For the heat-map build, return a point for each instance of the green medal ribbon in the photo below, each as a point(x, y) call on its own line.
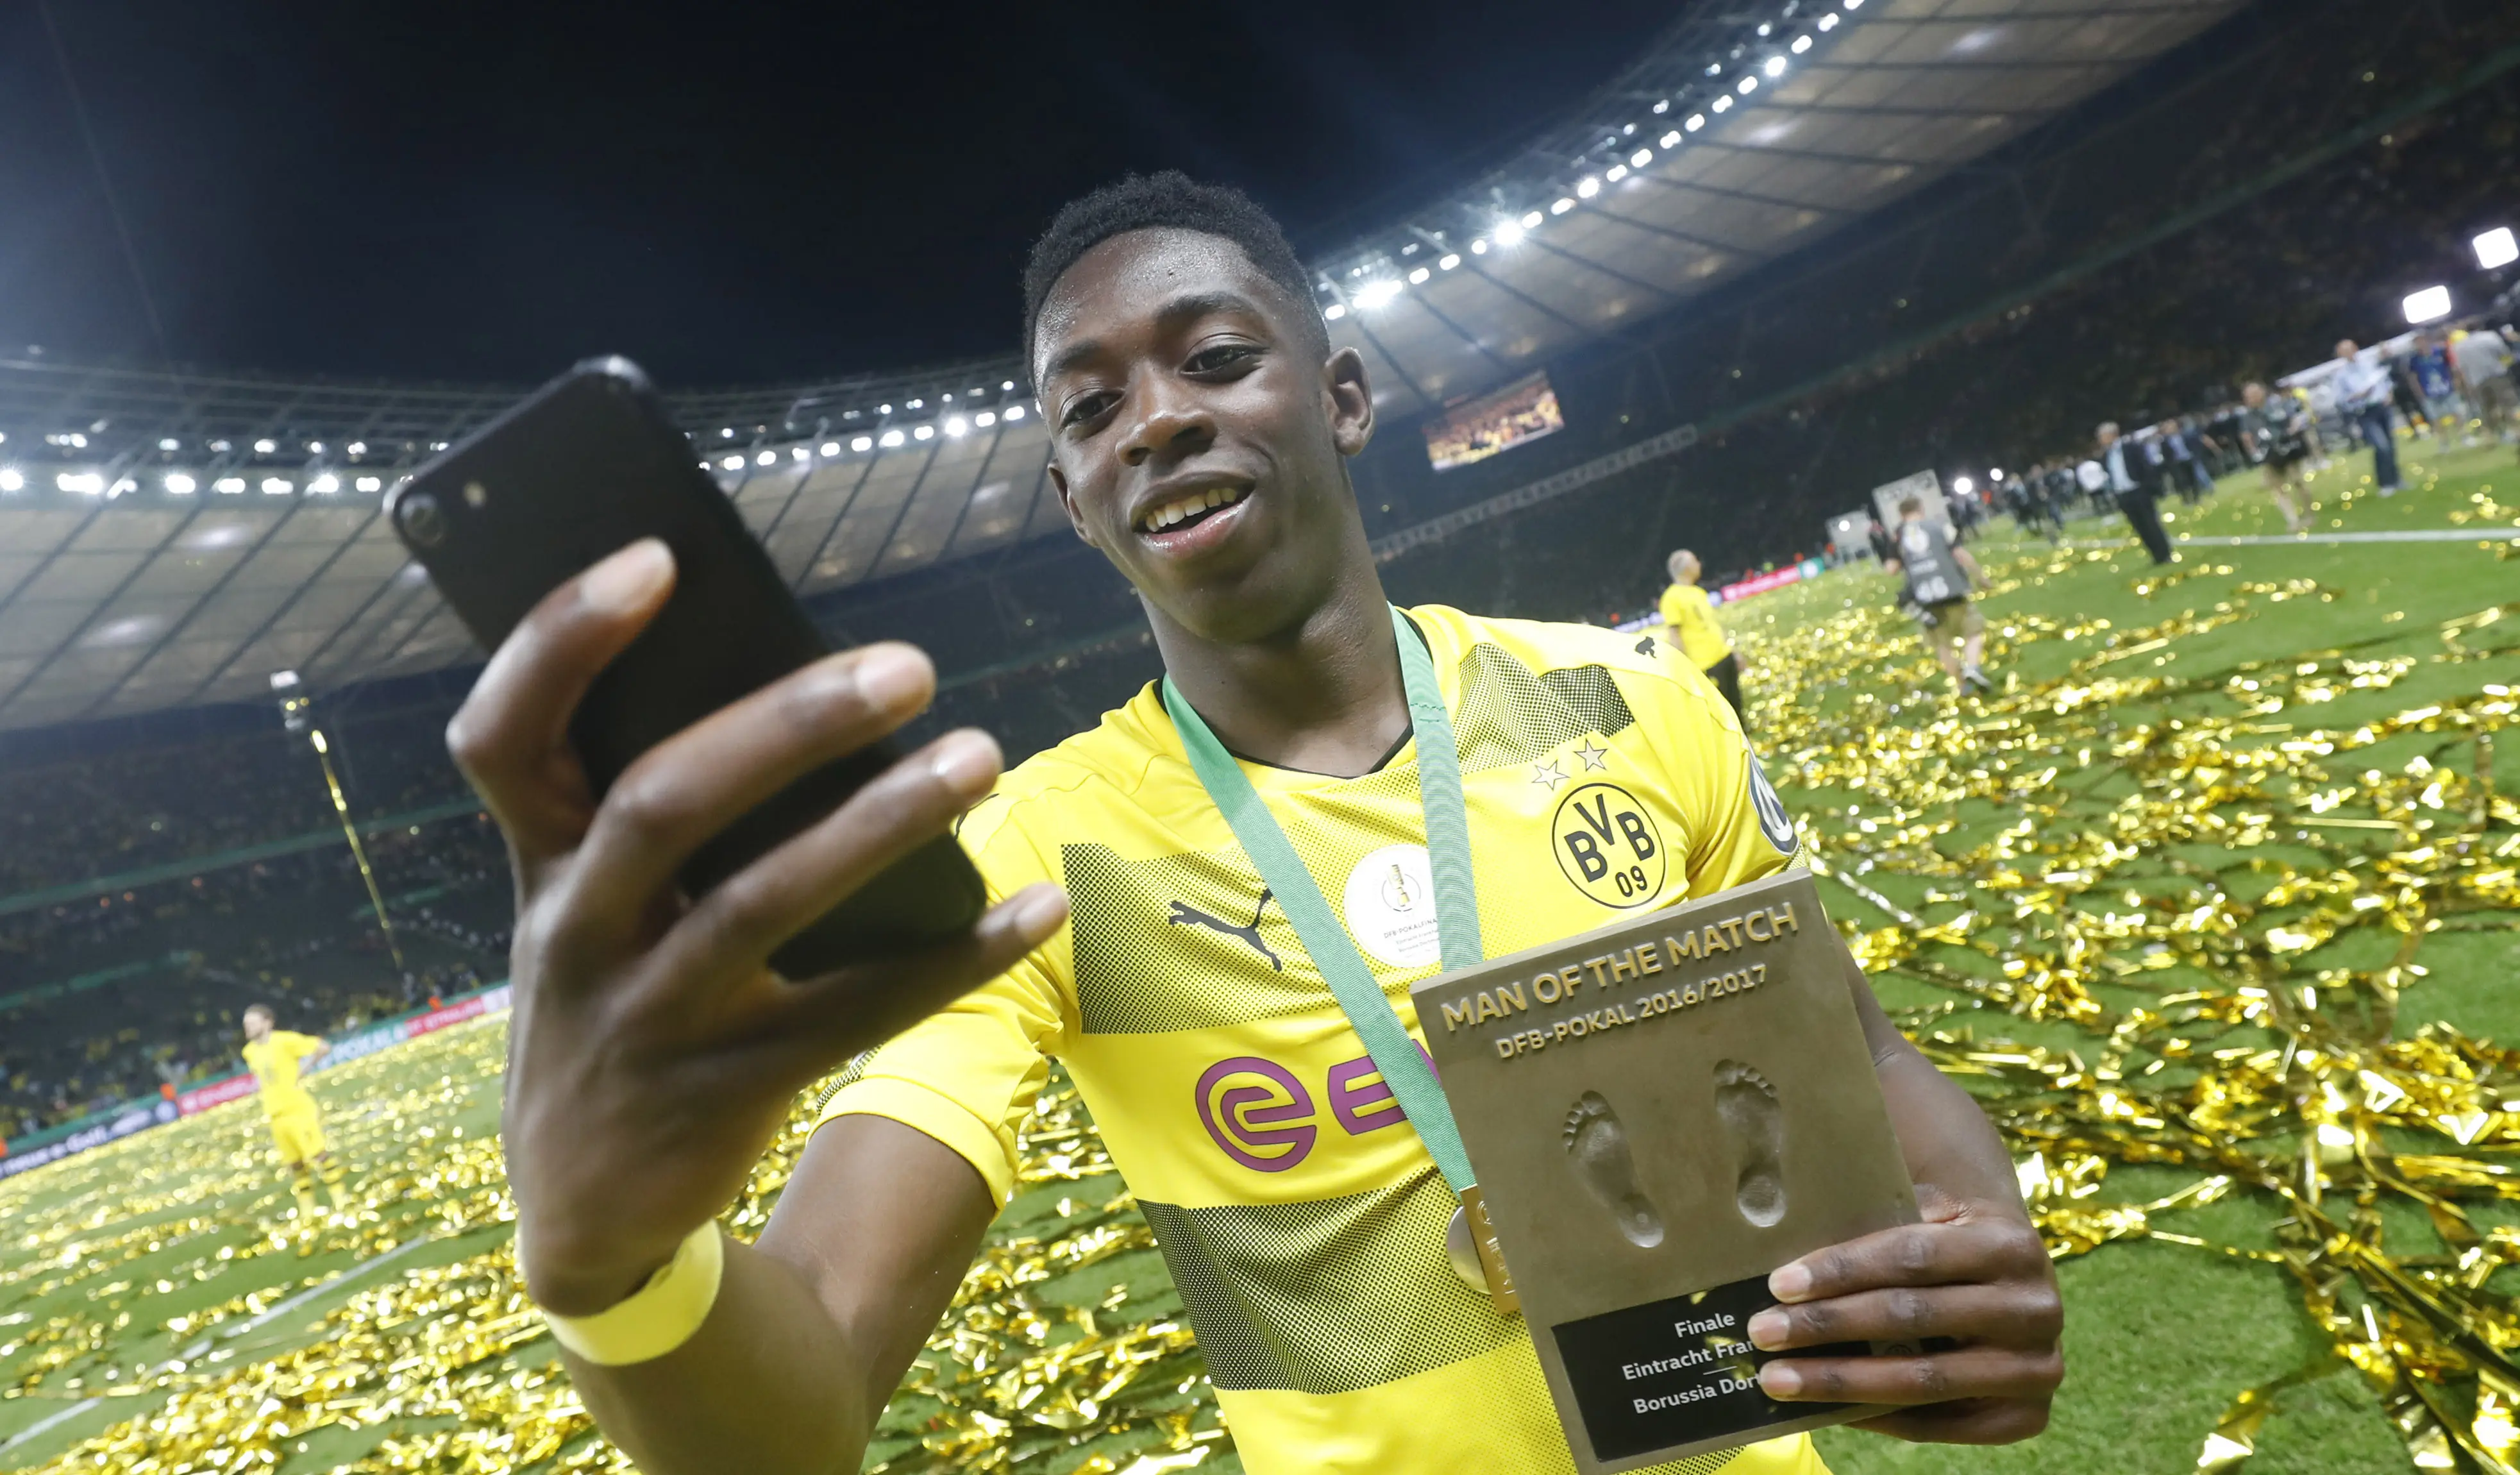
point(1404, 1068)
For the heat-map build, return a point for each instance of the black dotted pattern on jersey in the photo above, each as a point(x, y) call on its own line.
point(1508, 715)
point(1133, 956)
point(1328, 1296)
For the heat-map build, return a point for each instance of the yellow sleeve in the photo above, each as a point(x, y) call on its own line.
point(1739, 829)
point(299, 1046)
point(967, 1074)
point(1675, 609)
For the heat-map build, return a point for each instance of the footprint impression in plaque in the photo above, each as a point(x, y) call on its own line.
point(1596, 1146)
point(1755, 1130)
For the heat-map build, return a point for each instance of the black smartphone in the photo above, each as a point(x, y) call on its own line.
point(587, 465)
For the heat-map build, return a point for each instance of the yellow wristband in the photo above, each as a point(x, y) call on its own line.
point(659, 1315)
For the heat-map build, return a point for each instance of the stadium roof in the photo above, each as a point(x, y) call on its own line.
point(167, 538)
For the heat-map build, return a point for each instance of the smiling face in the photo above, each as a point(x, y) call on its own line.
point(1200, 426)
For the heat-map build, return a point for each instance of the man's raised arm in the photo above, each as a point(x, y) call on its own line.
point(652, 1054)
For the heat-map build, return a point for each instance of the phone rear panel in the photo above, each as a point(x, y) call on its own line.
point(590, 465)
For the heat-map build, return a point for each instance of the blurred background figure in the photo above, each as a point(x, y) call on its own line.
point(2364, 389)
point(1689, 615)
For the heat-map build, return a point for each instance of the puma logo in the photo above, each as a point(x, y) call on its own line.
point(1646, 647)
point(1186, 916)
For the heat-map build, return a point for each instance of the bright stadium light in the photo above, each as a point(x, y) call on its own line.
point(85, 483)
point(1642, 158)
point(1480, 247)
point(277, 486)
point(1449, 261)
point(1588, 188)
point(358, 448)
point(1616, 172)
point(1775, 68)
point(326, 485)
point(917, 404)
point(985, 419)
point(371, 484)
point(2496, 247)
point(1418, 277)
point(1671, 139)
point(228, 486)
point(799, 453)
point(1334, 312)
point(1962, 485)
point(1507, 232)
point(12, 479)
point(1749, 85)
point(765, 458)
point(265, 447)
point(923, 433)
point(179, 485)
point(1801, 44)
point(169, 444)
point(891, 438)
point(1829, 23)
point(1530, 222)
point(1662, 107)
point(1008, 385)
point(1995, 473)
point(314, 448)
point(883, 408)
point(1376, 293)
point(1853, 4)
point(955, 424)
point(862, 443)
point(1696, 120)
point(2430, 303)
point(1560, 206)
point(1014, 412)
point(831, 448)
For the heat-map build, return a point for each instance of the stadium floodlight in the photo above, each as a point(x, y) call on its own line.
point(1376, 293)
point(1334, 312)
point(1480, 247)
point(282, 681)
point(733, 463)
point(956, 425)
point(891, 438)
point(831, 448)
point(2496, 247)
point(1670, 140)
point(1852, 4)
point(1560, 206)
point(277, 486)
point(1801, 44)
point(1587, 188)
point(169, 444)
point(265, 447)
point(325, 485)
point(1829, 23)
point(1962, 485)
point(923, 433)
point(85, 483)
point(1995, 473)
point(985, 419)
point(1508, 231)
point(1662, 107)
point(178, 484)
point(1696, 120)
point(12, 479)
point(1418, 277)
point(228, 486)
point(799, 453)
point(1775, 68)
point(1724, 104)
point(883, 408)
point(1749, 85)
point(2430, 303)
point(314, 448)
point(1008, 385)
point(1642, 158)
point(725, 432)
point(1014, 412)
point(1449, 261)
point(862, 443)
point(371, 484)
point(917, 404)
point(1530, 222)
point(358, 448)
point(765, 458)
point(1616, 172)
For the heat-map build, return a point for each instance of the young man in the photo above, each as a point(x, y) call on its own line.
point(2363, 392)
point(1940, 577)
point(1689, 617)
point(2272, 425)
point(2134, 478)
point(276, 1058)
point(1200, 427)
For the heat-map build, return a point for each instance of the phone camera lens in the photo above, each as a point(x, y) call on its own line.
point(423, 520)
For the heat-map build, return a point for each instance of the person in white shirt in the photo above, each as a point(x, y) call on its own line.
point(2482, 363)
point(2362, 388)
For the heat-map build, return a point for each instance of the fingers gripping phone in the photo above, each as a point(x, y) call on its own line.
point(588, 465)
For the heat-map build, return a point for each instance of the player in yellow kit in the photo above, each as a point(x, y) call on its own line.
point(1689, 617)
point(1201, 423)
point(276, 1058)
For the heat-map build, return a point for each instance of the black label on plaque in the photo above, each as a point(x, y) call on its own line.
point(1678, 1372)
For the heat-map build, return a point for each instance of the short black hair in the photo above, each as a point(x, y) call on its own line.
point(1165, 199)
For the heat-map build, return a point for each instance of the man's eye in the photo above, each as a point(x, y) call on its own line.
point(1085, 408)
point(1222, 356)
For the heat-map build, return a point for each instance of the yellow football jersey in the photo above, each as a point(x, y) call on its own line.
point(1301, 1216)
point(273, 1060)
point(1691, 614)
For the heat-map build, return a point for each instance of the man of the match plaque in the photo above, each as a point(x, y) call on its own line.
point(1661, 1113)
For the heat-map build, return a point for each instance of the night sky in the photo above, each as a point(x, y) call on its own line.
point(730, 193)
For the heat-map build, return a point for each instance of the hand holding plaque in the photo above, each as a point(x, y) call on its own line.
point(1661, 1112)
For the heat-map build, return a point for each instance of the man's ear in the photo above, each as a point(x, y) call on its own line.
point(1067, 504)
point(1350, 400)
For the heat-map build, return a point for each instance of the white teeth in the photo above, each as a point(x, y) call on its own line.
point(1172, 512)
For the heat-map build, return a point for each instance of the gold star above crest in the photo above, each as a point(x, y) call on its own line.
point(1595, 758)
point(1546, 776)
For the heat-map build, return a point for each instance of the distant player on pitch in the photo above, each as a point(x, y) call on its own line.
point(277, 1056)
point(1689, 615)
point(1940, 578)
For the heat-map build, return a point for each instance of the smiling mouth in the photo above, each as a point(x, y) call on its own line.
point(1189, 509)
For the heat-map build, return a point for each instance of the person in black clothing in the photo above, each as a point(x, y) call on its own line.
point(2136, 478)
